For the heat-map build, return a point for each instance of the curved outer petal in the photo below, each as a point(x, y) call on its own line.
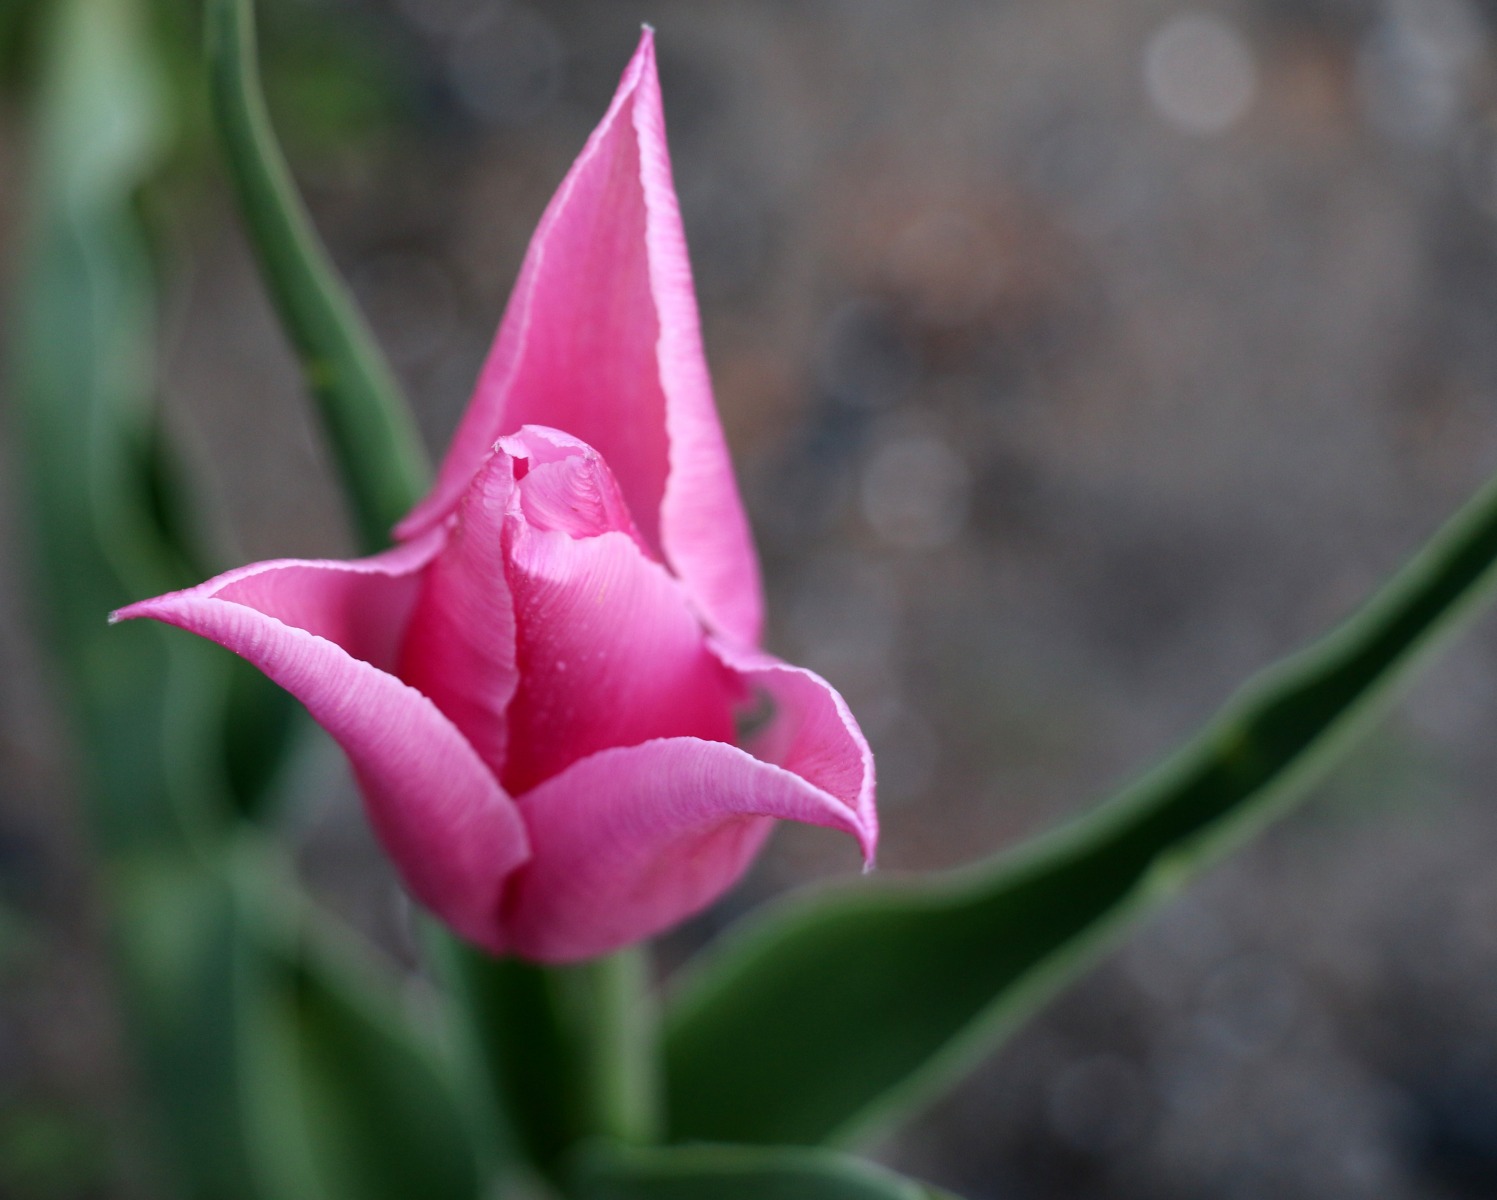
point(323, 631)
point(812, 732)
point(601, 339)
point(610, 654)
point(630, 841)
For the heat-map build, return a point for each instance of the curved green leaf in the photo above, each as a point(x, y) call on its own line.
point(740, 1173)
point(833, 1013)
point(374, 440)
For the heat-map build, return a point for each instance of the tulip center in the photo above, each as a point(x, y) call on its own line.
point(563, 485)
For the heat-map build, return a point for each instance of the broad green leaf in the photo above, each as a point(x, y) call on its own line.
point(374, 441)
point(17, 21)
point(835, 1013)
point(707, 1172)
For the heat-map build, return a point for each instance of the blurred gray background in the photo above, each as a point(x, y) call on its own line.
point(1078, 360)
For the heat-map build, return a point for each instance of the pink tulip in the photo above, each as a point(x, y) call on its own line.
point(537, 687)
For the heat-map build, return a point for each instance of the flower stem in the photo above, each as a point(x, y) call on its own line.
point(372, 435)
point(554, 1056)
point(610, 1012)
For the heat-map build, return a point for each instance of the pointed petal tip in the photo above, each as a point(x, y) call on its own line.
point(867, 816)
point(491, 412)
point(642, 64)
point(866, 833)
point(140, 608)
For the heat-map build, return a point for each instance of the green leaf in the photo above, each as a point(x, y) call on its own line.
point(82, 383)
point(828, 1016)
point(708, 1172)
point(364, 1107)
point(107, 503)
point(146, 708)
point(280, 1061)
point(374, 440)
point(177, 943)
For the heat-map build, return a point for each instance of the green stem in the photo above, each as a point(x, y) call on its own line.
point(609, 1009)
point(374, 441)
point(554, 1055)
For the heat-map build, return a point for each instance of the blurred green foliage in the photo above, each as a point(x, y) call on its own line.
point(49, 1152)
point(708, 1172)
point(223, 966)
point(334, 77)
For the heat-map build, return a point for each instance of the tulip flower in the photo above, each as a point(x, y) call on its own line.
point(538, 687)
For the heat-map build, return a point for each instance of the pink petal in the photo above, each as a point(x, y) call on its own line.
point(610, 653)
point(812, 733)
point(323, 630)
point(601, 339)
point(460, 648)
point(630, 841)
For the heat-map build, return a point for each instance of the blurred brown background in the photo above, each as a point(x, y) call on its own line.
point(1078, 360)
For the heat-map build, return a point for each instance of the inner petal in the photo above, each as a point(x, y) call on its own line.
point(609, 650)
point(459, 648)
point(565, 485)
